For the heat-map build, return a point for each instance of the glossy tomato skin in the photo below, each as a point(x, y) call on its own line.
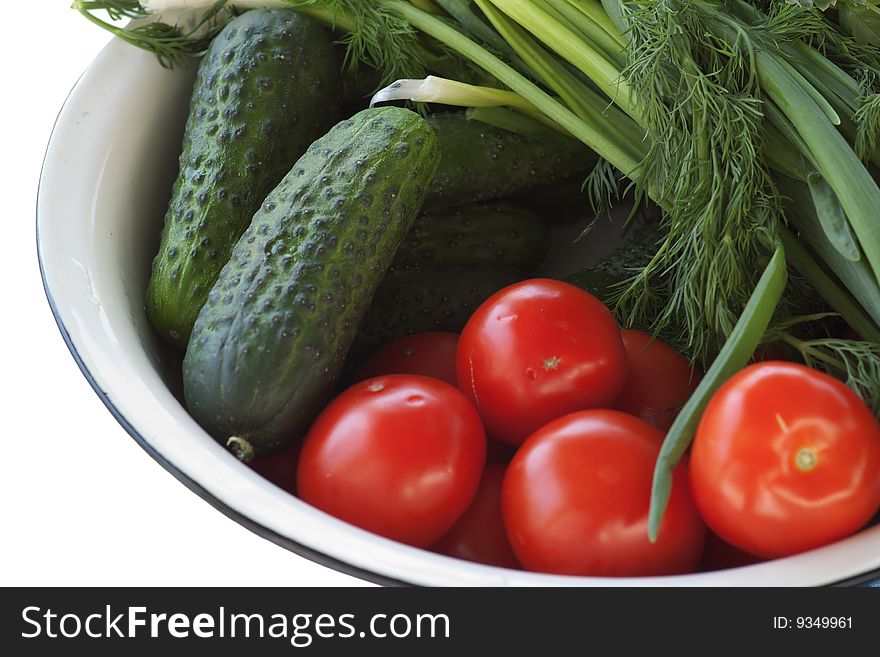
point(785, 459)
point(538, 350)
point(479, 534)
point(575, 501)
point(427, 354)
point(659, 382)
point(398, 455)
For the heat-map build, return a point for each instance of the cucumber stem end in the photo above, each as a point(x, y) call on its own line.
point(241, 448)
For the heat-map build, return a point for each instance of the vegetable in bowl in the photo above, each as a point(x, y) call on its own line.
point(237, 147)
point(756, 146)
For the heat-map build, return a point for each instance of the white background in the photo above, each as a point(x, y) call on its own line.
point(82, 503)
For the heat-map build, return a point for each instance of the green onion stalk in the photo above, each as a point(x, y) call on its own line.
point(753, 124)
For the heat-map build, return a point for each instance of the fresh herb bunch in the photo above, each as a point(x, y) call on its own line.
point(171, 42)
point(855, 361)
point(701, 103)
point(372, 35)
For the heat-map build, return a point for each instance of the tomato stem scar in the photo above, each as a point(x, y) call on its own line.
point(805, 459)
point(552, 363)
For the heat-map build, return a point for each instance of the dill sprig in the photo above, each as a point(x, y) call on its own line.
point(867, 117)
point(823, 4)
point(861, 61)
point(372, 35)
point(116, 9)
point(856, 58)
point(701, 103)
point(602, 188)
point(856, 363)
point(170, 43)
point(785, 23)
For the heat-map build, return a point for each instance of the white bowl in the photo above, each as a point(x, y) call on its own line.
point(104, 188)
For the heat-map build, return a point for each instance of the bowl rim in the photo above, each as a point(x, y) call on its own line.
point(315, 555)
point(258, 529)
point(248, 523)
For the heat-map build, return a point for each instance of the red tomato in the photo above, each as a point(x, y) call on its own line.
point(660, 380)
point(280, 469)
point(785, 459)
point(479, 534)
point(575, 501)
point(538, 350)
point(427, 354)
point(398, 455)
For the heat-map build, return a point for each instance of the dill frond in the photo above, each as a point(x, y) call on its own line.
point(856, 363)
point(116, 9)
point(170, 43)
point(371, 33)
point(852, 56)
point(867, 117)
point(788, 22)
point(602, 188)
point(374, 36)
point(702, 105)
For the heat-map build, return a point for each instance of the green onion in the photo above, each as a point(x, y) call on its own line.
point(837, 297)
point(578, 96)
point(832, 218)
point(450, 92)
point(737, 351)
point(839, 165)
point(512, 121)
point(594, 136)
point(582, 52)
point(857, 277)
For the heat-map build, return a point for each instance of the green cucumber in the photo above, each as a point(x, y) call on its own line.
point(270, 342)
point(634, 253)
point(267, 88)
point(496, 233)
point(482, 162)
point(426, 297)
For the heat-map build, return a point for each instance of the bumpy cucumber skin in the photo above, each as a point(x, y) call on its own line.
point(496, 233)
point(270, 342)
point(267, 88)
point(416, 298)
point(481, 162)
